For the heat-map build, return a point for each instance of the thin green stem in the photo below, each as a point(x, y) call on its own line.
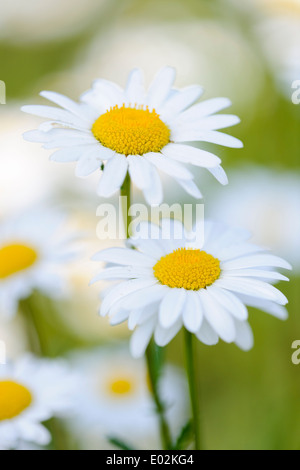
point(194, 394)
point(126, 192)
point(151, 354)
point(154, 382)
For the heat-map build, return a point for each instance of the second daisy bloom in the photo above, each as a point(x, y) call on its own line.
point(135, 130)
point(169, 283)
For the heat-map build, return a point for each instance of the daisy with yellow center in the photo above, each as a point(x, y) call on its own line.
point(137, 131)
point(115, 399)
point(30, 255)
point(32, 391)
point(172, 283)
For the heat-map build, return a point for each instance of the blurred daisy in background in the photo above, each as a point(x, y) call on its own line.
point(170, 283)
point(115, 400)
point(32, 391)
point(267, 203)
point(203, 48)
point(119, 126)
point(44, 21)
point(32, 248)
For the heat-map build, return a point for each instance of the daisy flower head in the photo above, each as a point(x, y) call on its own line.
point(165, 284)
point(32, 248)
point(115, 399)
point(32, 391)
point(137, 131)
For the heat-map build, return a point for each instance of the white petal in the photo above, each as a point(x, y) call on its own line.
point(219, 174)
point(141, 337)
point(263, 260)
point(192, 312)
point(140, 171)
point(230, 302)
point(272, 308)
point(144, 297)
point(66, 103)
point(56, 114)
point(68, 154)
point(103, 95)
point(135, 89)
point(214, 137)
point(218, 121)
point(120, 291)
point(160, 87)
point(154, 193)
point(169, 166)
point(87, 165)
point(113, 176)
point(217, 317)
point(253, 288)
point(191, 188)
point(205, 108)
point(124, 256)
point(207, 335)
point(180, 101)
point(119, 317)
point(244, 335)
point(171, 307)
point(259, 273)
point(118, 273)
point(163, 336)
point(193, 155)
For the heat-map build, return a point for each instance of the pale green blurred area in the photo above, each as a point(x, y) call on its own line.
point(249, 400)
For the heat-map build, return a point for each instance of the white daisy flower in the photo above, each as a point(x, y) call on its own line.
point(31, 250)
point(112, 128)
point(115, 400)
point(167, 284)
point(32, 391)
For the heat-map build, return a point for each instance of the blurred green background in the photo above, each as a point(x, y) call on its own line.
point(243, 50)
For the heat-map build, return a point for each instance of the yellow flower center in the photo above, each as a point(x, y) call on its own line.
point(131, 131)
point(15, 258)
point(187, 268)
point(121, 386)
point(14, 398)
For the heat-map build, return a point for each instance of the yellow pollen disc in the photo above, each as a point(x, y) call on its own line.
point(187, 268)
point(121, 386)
point(131, 131)
point(14, 398)
point(15, 258)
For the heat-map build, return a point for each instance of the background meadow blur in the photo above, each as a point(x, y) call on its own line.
point(246, 50)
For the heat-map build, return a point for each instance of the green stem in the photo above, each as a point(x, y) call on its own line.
point(150, 354)
point(194, 394)
point(154, 381)
point(36, 334)
point(126, 192)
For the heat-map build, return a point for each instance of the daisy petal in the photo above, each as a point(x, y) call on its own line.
point(263, 260)
point(141, 338)
point(193, 155)
point(180, 101)
point(124, 256)
point(135, 88)
point(113, 176)
point(205, 108)
point(230, 302)
point(253, 288)
point(169, 166)
point(192, 312)
point(219, 174)
point(160, 87)
point(163, 336)
point(207, 335)
point(272, 308)
point(244, 335)
point(191, 188)
point(171, 307)
point(217, 317)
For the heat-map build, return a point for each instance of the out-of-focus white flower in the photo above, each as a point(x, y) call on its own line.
point(31, 392)
point(170, 282)
point(265, 202)
point(111, 129)
point(13, 339)
point(115, 400)
point(34, 20)
point(32, 247)
point(210, 52)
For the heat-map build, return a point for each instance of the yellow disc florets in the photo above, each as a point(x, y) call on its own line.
point(14, 399)
point(131, 131)
point(187, 268)
point(14, 258)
